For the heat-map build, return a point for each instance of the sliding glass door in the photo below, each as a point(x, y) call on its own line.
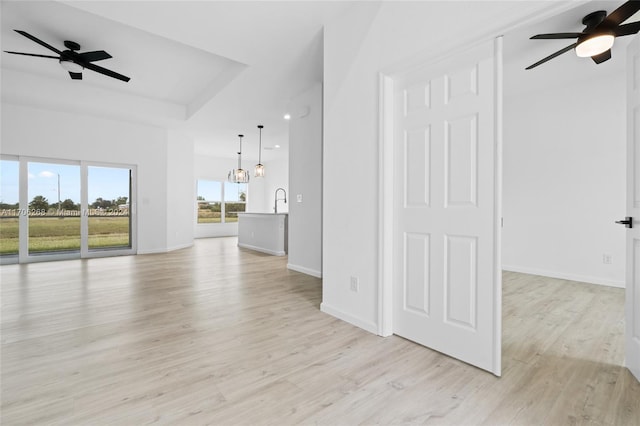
point(56, 209)
point(109, 220)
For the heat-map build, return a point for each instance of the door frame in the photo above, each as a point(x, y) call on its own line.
point(85, 252)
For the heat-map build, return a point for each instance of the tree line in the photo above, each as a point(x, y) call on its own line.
point(217, 207)
point(39, 202)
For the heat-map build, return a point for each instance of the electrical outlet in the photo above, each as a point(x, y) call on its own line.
point(354, 285)
point(606, 259)
point(299, 198)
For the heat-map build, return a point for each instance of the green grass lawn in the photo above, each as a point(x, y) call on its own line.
point(207, 216)
point(217, 219)
point(55, 234)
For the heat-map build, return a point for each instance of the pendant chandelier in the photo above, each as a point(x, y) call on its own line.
point(239, 175)
point(259, 169)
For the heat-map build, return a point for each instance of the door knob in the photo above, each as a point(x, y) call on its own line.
point(627, 222)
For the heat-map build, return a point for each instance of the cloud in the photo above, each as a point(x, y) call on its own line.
point(31, 176)
point(46, 174)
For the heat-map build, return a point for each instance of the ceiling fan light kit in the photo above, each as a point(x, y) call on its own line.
point(595, 45)
point(70, 66)
point(597, 38)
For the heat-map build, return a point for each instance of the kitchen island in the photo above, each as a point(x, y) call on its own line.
point(264, 232)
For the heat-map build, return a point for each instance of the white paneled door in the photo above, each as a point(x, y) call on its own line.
point(446, 254)
point(632, 299)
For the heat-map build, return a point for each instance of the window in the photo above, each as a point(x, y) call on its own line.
point(209, 201)
point(235, 200)
point(220, 202)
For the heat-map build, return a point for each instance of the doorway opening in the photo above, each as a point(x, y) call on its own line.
point(581, 189)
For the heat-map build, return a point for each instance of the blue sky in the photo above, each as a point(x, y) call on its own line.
point(105, 182)
point(212, 190)
point(9, 182)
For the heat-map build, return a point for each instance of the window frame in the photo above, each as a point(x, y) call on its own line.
point(223, 202)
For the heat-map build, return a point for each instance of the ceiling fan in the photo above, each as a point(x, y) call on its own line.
point(596, 39)
point(73, 61)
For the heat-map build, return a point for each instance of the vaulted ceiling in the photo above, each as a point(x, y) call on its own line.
point(212, 69)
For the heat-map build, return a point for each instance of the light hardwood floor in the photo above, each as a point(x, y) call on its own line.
point(219, 335)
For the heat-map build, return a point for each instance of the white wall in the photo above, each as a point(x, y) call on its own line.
point(349, 169)
point(305, 181)
point(564, 181)
point(180, 191)
point(262, 190)
point(369, 38)
point(33, 132)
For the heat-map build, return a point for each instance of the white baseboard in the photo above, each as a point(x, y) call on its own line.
point(304, 270)
point(152, 251)
point(166, 249)
point(365, 325)
point(564, 276)
point(180, 246)
point(262, 249)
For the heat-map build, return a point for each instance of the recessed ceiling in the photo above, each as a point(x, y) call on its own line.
point(160, 69)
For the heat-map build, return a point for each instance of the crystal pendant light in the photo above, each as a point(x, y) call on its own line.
point(259, 169)
point(239, 175)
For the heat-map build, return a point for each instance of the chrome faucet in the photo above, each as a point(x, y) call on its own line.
point(275, 203)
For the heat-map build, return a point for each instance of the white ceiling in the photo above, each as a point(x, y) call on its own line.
point(212, 68)
point(137, 54)
point(218, 68)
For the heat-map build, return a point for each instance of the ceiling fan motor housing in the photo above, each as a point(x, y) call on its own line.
point(71, 45)
point(597, 37)
point(593, 19)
